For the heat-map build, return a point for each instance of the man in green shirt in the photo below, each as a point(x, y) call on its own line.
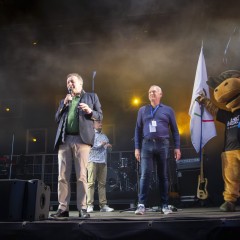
point(74, 139)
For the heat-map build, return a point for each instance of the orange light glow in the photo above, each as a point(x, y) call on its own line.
point(183, 120)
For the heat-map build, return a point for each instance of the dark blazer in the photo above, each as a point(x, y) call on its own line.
point(86, 129)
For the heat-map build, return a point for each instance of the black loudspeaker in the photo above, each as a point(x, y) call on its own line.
point(188, 182)
point(11, 199)
point(24, 200)
point(38, 200)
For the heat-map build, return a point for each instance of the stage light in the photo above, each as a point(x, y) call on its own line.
point(10, 108)
point(36, 141)
point(136, 101)
point(132, 100)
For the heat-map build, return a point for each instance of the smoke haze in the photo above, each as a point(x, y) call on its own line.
point(130, 44)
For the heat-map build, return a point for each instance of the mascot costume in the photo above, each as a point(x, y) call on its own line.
point(226, 90)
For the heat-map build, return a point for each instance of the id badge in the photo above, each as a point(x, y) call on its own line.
point(152, 128)
point(154, 123)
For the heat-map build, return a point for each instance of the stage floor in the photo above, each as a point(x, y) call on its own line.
point(186, 223)
point(155, 214)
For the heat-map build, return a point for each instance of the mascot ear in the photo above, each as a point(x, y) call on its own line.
point(213, 82)
point(230, 74)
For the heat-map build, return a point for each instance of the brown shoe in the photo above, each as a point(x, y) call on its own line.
point(228, 207)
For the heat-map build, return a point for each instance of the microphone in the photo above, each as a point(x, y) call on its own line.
point(70, 92)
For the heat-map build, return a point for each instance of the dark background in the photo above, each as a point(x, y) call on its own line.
point(131, 44)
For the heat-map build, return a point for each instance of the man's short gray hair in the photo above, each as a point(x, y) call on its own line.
point(76, 75)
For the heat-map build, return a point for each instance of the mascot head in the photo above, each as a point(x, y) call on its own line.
point(226, 88)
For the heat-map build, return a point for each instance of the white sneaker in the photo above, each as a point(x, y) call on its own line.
point(166, 209)
point(140, 209)
point(106, 208)
point(90, 208)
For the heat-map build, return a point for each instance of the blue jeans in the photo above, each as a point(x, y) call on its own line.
point(154, 151)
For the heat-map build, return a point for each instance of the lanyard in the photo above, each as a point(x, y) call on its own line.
point(154, 110)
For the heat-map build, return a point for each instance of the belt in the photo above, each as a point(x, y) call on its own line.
point(72, 134)
point(154, 139)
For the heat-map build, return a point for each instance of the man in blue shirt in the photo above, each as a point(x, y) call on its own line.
point(152, 133)
point(97, 169)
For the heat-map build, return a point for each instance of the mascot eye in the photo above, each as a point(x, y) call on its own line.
point(226, 84)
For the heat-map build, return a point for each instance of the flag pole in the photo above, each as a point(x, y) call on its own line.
point(202, 181)
point(200, 149)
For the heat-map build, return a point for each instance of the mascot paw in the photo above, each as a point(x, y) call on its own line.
point(201, 99)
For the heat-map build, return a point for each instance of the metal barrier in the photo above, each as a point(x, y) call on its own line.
point(45, 167)
point(121, 180)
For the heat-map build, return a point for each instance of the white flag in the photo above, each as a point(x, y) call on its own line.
point(202, 128)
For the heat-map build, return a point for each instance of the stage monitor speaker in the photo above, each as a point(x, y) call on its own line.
point(11, 199)
point(188, 182)
point(37, 204)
